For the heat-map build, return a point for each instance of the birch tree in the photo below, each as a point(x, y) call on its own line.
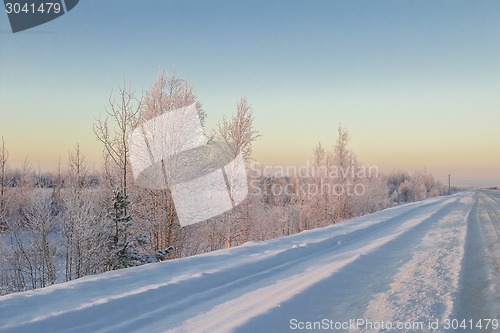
point(342, 162)
point(168, 93)
point(238, 135)
point(113, 132)
point(84, 231)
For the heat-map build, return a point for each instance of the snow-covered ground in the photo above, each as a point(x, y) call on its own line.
point(420, 265)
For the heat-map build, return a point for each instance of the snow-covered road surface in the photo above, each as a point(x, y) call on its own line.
point(417, 265)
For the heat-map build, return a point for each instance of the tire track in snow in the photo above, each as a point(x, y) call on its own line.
point(424, 288)
point(479, 296)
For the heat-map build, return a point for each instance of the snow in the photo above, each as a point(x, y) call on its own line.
point(413, 263)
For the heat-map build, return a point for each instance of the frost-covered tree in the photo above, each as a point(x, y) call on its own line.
point(169, 92)
point(84, 235)
point(83, 228)
point(113, 132)
point(342, 162)
point(237, 134)
point(394, 181)
point(23, 184)
point(33, 249)
point(404, 187)
point(154, 209)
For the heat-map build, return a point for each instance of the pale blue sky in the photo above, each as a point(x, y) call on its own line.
point(417, 83)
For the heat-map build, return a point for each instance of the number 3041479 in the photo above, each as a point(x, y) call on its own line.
point(33, 8)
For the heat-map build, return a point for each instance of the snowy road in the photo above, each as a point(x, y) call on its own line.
point(416, 266)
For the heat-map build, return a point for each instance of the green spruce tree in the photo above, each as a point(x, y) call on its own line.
point(123, 244)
